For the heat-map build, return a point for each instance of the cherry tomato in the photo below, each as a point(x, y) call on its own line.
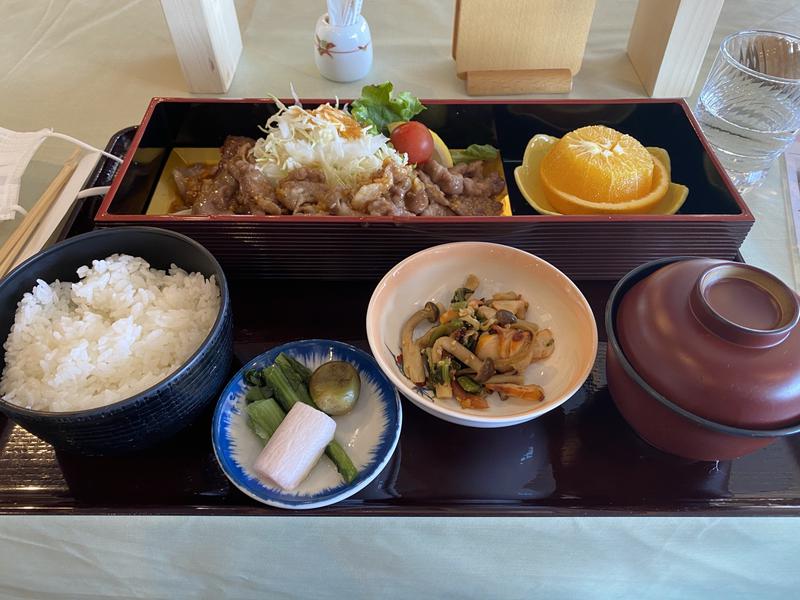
point(414, 139)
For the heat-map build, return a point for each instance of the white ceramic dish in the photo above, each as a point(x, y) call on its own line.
point(555, 302)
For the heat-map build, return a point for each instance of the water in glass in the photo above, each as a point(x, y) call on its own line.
point(749, 107)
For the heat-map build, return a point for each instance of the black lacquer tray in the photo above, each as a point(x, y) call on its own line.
point(579, 459)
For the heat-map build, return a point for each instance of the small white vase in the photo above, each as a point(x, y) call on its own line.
point(343, 53)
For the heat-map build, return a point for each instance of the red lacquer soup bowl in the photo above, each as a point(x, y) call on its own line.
point(704, 356)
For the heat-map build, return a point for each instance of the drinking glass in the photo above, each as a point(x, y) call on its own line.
point(749, 107)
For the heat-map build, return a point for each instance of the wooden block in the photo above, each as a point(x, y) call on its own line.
point(527, 81)
point(497, 35)
point(668, 42)
point(207, 40)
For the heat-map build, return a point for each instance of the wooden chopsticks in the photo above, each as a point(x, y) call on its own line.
point(17, 241)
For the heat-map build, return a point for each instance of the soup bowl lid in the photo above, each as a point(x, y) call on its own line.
point(719, 339)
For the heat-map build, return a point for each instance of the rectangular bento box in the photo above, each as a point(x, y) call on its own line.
point(713, 221)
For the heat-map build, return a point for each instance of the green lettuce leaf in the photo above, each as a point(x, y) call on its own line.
point(474, 152)
point(377, 108)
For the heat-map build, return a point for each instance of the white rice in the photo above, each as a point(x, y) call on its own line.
point(119, 330)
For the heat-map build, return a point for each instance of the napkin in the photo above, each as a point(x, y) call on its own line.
point(49, 226)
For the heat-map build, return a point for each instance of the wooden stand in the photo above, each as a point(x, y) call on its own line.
point(547, 81)
point(668, 42)
point(208, 42)
point(520, 46)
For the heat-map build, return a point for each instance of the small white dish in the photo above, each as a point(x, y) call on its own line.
point(555, 302)
point(343, 53)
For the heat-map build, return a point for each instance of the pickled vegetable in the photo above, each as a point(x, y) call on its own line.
point(295, 446)
point(335, 387)
point(288, 395)
point(265, 417)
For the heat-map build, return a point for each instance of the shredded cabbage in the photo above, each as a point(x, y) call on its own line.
point(326, 137)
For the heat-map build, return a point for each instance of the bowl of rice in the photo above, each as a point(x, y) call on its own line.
point(114, 340)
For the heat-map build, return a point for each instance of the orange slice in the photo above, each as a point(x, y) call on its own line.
point(600, 164)
point(597, 169)
point(567, 204)
point(529, 181)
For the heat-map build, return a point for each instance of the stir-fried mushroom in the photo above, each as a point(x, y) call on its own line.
point(486, 312)
point(505, 317)
point(506, 296)
point(472, 282)
point(527, 325)
point(413, 366)
point(508, 348)
point(478, 347)
point(483, 368)
point(518, 307)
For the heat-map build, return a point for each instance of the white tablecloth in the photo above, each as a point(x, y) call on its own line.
point(351, 557)
point(88, 68)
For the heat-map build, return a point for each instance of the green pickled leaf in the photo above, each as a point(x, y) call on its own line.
point(253, 395)
point(265, 416)
point(254, 377)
